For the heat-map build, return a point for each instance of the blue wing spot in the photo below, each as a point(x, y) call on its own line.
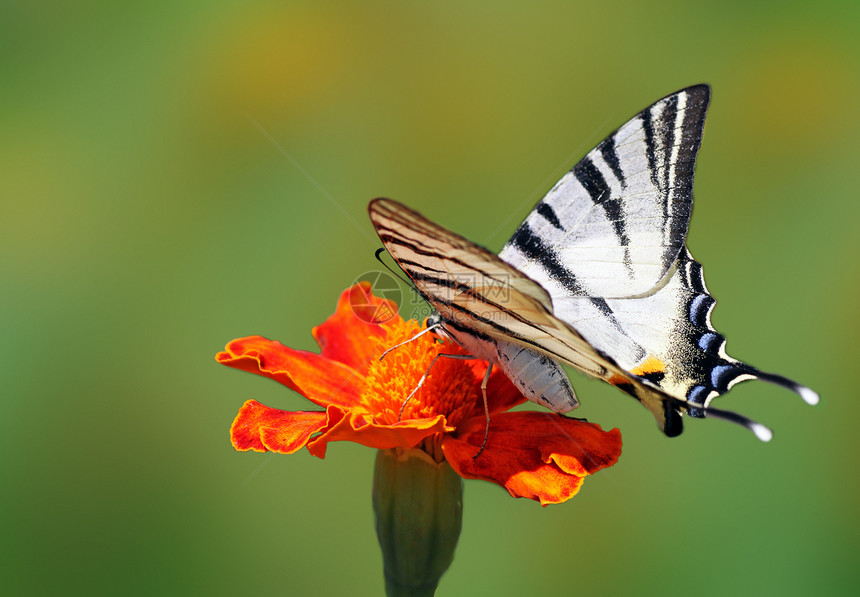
point(717, 373)
point(709, 342)
point(699, 309)
point(697, 394)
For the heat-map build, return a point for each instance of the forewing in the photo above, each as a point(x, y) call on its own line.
point(443, 264)
point(615, 224)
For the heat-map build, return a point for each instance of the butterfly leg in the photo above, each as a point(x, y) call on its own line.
point(426, 373)
point(484, 383)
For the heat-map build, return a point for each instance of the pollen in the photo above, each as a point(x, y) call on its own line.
point(449, 389)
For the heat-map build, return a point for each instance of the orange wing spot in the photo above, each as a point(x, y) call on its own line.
point(617, 380)
point(651, 364)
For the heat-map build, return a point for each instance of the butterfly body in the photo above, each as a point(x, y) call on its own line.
point(538, 377)
point(598, 276)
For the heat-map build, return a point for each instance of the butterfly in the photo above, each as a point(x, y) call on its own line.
point(597, 277)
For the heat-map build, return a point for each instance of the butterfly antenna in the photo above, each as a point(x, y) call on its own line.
point(429, 328)
point(379, 252)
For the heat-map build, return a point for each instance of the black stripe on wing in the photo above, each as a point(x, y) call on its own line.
point(650, 146)
point(667, 128)
point(533, 247)
point(677, 170)
point(410, 237)
point(610, 156)
point(548, 213)
point(593, 182)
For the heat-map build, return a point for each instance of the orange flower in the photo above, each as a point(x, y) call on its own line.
point(538, 455)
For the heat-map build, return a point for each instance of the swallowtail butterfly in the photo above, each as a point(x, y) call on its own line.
point(598, 276)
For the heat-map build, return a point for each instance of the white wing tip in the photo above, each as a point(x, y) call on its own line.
point(761, 432)
point(809, 396)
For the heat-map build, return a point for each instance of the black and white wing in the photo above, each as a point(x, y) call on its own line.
point(478, 294)
point(608, 244)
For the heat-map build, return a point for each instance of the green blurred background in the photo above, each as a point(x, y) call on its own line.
point(175, 175)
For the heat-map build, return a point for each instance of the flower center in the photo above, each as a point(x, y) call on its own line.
point(449, 388)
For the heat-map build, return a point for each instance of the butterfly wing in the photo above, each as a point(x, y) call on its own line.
point(442, 264)
point(615, 224)
point(608, 244)
point(477, 293)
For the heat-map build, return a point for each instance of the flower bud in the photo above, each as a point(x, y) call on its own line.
point(418, 504)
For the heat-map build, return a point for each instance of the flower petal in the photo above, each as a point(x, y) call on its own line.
point(540, 456)
point(355, 427)
point(320, 380)
point(260, 428)
point(345, 336)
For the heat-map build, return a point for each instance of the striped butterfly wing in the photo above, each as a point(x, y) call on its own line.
point(477, 293)
point(608, 245)
point(615, 224)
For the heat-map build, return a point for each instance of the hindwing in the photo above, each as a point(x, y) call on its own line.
point(622, 275)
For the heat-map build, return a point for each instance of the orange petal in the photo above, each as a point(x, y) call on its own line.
point(320, 380)
point(540, 456)
point(344, 336)
point(355, 427)
point(260, 428)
